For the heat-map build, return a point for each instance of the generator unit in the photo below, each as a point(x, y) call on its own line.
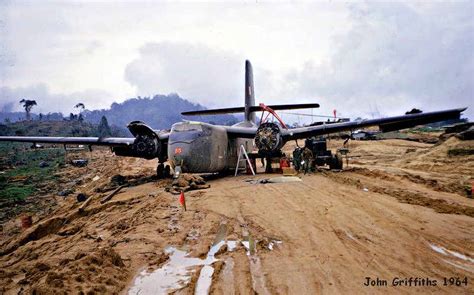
point(321, 155)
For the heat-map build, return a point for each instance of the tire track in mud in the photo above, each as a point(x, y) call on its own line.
point(438, 182)
point(402, 195)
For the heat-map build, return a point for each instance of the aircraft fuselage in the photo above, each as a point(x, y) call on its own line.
point(200, 147)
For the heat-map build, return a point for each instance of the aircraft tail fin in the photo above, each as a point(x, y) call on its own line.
point(250, 108)
point(249, 92)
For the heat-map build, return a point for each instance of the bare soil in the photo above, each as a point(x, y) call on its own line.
point(386, 216)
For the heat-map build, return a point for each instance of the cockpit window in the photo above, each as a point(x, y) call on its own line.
point(186, 127)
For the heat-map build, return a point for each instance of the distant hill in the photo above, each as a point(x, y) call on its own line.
point(55, 128)
point(160, 112)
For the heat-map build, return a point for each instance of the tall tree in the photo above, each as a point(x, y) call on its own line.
point(80, 106)
point(28, 105)
point(104, 128)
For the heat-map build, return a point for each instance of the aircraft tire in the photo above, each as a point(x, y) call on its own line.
point(339, 162)
point(336, 162)
point(160, 171)
point(167, 171)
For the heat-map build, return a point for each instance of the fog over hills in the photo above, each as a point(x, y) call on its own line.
point(160, 112)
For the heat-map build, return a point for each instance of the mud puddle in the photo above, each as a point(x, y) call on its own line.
point(258, 278)
point(177, 272)
point(447, 252)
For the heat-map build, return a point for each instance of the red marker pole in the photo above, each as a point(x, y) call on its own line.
point(182, 200)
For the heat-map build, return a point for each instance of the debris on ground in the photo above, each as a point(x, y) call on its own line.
point(279, 179)
point(129, 180)
point(43, 164)
point(110, 196)
point(79, 163)
point(66, 192)
point(187, 182)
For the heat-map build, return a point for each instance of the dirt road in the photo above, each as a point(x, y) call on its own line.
point(399, 211)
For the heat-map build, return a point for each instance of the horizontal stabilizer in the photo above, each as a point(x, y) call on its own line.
point(276, 107)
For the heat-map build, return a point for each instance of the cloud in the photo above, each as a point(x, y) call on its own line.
point(356, 57)
point(52, 102)
point(395, 57)
point(196, 72)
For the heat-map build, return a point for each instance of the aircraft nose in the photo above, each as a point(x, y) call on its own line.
point(179, 154)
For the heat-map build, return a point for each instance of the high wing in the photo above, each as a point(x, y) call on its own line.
point(137, 128)
point(241, 132)
point(106, 141)
point(385, 124)
point(146, 143)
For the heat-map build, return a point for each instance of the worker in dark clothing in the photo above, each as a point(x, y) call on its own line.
point(307, 158)
point(297, 158)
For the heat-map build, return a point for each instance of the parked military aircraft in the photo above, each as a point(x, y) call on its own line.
point(198, 147)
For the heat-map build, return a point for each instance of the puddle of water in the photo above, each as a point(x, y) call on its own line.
point(460, 256)
point(284, 179)
point(246, 245)
point(258, 279)
point(231, 245)
point(350, 236)
point(174, 274)
point(274, 243)
point(279, 179)
point(447, 252)
point(438, 249)
point(177, 272)
point(205, 279)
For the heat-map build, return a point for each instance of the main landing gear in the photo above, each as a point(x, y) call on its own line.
point(163, 171)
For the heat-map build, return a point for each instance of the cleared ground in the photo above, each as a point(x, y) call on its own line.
point(399, 210)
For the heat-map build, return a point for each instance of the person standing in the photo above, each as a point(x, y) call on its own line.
point(307, 158)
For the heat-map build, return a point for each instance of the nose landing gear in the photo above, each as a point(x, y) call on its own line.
point(163, 171)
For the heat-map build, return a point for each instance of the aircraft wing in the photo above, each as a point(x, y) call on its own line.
point(385, 124)
point(106, 141)
point(241, 132)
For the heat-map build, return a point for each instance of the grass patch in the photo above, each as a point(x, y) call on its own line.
point(21, 169)
point(16, 192)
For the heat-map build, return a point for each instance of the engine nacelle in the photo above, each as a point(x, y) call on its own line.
point(146, 145)
point(268, 139)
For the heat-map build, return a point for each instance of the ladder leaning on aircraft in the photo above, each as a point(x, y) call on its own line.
point(198, 147)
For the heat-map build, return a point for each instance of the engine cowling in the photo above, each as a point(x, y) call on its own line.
point(268, 139)
point(146, 145)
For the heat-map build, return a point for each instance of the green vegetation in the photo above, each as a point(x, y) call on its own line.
point(49, 128)
point(21, 171)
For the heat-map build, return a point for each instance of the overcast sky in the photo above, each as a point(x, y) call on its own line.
point(363, 59)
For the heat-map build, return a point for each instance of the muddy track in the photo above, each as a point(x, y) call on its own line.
point(402, 195)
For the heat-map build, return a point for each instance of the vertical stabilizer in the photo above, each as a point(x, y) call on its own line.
point(249, 92)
